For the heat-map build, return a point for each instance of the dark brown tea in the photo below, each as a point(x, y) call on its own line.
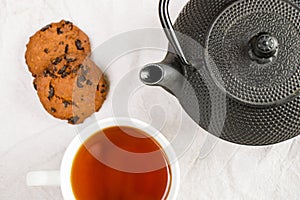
point(120, 163)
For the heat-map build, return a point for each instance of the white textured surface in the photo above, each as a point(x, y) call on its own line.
point(33, 140)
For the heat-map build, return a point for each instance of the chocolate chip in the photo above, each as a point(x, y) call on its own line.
point(84, 69)
point(85, 72)
point(63, 69)
point(52, 75)
point(65, 74)
point(57, 61)
point(68, 59)
point(53, 110)
point(81, 66)
point(103, 85)
point(102, 91)
point(71, 59)
point(79, 85)
point(47, 73)
point(46, 27)
point(34, 85)
point(88, 82)
point(46, 50)
point(70, 25)
point(51, 92)
point(73, 120)
point(79, 45)
point(66, 49)
point(59, 31)
point(98, 87)
point(67, 103)
point(74, 71)
point(81, 79)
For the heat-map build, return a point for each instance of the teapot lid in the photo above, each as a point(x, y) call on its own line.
point(253, 50)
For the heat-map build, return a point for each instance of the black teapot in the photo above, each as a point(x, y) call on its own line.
point(234, 66)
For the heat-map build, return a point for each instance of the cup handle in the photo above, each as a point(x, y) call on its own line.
point(43, 178)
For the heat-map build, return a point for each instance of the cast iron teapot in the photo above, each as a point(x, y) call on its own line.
point(234, 65)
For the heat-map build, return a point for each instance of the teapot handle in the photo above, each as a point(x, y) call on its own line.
point(169, 30)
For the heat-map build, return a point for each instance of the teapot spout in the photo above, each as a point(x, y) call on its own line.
point(164, 75)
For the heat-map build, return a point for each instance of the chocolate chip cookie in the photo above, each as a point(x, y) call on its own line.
point(71, 89)
point(52, 41)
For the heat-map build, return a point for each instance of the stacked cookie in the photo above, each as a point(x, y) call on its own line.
point(69, 84)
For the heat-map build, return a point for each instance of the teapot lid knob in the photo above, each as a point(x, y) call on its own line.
point(264, 47)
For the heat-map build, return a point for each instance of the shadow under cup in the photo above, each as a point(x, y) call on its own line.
point(122, 160)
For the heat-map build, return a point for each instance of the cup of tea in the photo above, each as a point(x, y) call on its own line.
point(115, 158)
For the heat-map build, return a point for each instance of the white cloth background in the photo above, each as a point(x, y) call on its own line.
point(33, 140)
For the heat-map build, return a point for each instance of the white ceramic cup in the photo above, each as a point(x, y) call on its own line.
point(63, 177)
